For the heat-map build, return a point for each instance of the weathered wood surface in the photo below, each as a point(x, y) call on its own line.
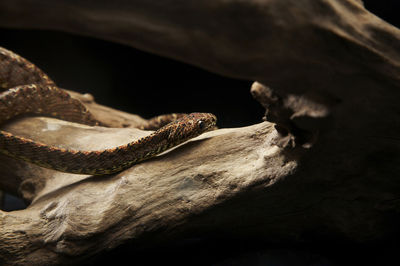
point(160, 195)
point(335, 68)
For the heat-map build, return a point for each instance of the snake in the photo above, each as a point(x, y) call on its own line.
point(26, 89)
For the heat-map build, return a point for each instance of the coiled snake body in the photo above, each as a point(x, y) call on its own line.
point(29, 90)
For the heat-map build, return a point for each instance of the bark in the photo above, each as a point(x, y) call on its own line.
point(327, 168)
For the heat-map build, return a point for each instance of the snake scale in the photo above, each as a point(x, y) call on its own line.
point(28, 90)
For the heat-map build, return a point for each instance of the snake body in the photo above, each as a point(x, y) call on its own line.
point(31, 91)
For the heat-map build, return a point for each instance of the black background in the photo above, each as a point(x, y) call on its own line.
point(134, 81)
point(138, 82)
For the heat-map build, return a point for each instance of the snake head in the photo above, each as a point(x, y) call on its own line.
point(203, 121)
point(191, 126)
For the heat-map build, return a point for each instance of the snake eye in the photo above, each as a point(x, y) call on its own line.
point(201, 124)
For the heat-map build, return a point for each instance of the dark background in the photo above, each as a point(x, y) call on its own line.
point(134, 81)
point(138, 82)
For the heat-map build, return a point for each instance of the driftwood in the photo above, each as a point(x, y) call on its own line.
point(68, 211)
point(327, 168)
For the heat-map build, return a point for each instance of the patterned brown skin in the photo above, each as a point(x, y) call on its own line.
point(47, 100)
point(42, 97)
point(161, 120)
point(16, 70)
point(110, 160)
